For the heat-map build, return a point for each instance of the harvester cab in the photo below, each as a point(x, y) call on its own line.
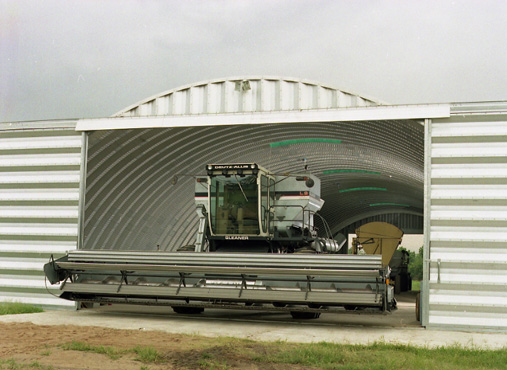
point(258, 210)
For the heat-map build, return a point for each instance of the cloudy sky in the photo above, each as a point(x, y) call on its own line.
point(74, 59)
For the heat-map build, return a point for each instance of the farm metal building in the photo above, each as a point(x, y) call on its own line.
point(126, 182)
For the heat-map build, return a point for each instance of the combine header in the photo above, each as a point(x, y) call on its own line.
point(256, 248)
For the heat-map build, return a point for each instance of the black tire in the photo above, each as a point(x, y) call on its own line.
point(298, 315)
point(188, 310)
point(353, 308)
point(397, 284)
point(279, 304)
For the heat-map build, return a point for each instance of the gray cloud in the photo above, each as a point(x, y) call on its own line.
point(71, 59)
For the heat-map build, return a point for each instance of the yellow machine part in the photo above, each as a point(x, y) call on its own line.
point(378, 238)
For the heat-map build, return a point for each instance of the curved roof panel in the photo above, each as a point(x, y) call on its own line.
point(246, 94)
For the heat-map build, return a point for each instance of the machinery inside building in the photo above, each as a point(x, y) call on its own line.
point(324, 178)
point(139, 185)
point(112, 192)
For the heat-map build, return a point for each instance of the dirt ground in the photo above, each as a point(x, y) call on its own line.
point(29, 346)
point(41, 340)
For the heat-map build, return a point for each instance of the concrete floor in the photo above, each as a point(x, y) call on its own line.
point(399, 327)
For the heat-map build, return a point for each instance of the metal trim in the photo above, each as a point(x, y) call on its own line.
point(394, 112)
point(482, 108)
point(38, 125)
point(169, 292)
point(82, 190)
point(425, 299)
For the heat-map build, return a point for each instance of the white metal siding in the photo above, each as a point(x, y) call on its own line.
point(39, 206)
point(246, 94)
point(468, 222)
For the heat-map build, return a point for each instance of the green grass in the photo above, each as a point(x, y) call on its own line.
point(147, 354)
point(144, 354)
point(225, 353)
point(385, 356)
point(111, 352)
point(416, 285)
point(214, 359)
point(13, 365)
point(13, 308)
point(213, 365)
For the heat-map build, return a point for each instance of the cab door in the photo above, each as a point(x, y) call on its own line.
point(267, 195)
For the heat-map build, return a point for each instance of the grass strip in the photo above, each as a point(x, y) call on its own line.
point(385, 356)
point(144, 354)
point(14, 365)
point(14, 308)
point(224, 353)
point(148, 355)
point(111, 352)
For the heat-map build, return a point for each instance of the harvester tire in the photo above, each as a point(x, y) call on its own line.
point(353, 308)
point(298, 315)
point(397, 284)
point(188, 310)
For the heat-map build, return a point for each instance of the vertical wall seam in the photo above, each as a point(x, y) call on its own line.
point(82, 190)
point(427, 236)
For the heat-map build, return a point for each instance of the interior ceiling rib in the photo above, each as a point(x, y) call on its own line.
point(132, 202)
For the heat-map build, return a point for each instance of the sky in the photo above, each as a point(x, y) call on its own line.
point(84, 59)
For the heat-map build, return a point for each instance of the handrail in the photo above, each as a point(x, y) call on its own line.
point(303, 209)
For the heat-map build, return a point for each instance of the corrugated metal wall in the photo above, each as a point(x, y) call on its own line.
point(246, 94)
point(39, 205)
point(467, 221)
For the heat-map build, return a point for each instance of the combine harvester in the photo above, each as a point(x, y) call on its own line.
point(256, 248)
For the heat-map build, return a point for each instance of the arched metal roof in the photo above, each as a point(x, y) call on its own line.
point(246, 94)
point(369, 168)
